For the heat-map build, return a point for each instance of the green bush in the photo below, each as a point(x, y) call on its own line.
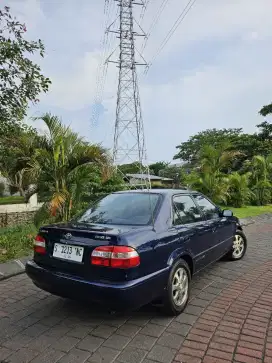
point(16, 241)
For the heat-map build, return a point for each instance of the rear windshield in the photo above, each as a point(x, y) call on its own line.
point(123, 209)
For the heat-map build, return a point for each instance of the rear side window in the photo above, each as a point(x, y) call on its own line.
point(185, 210)
point(209, 210)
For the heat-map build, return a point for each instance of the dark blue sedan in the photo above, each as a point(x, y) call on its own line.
point(136, 247)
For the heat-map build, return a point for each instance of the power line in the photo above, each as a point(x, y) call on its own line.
point(179, 20)
point(105, 44)
point(144, 10)
point(154, 23)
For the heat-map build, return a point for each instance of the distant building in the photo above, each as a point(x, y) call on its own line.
point(135, 179)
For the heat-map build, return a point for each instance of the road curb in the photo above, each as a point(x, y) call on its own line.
point(12, 268)
point(246, 222)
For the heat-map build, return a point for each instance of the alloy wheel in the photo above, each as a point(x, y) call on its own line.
point(238, 246)
point(180, 286)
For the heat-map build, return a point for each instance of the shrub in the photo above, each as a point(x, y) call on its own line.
point(16, 241)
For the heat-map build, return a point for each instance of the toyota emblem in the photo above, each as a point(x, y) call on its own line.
point(68, 236)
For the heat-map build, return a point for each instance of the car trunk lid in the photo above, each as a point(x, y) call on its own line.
point(79, 239)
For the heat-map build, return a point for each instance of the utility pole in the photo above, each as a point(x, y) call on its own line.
point(129, 139)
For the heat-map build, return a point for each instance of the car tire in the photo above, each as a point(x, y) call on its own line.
point(239, 247)
point(177, 292)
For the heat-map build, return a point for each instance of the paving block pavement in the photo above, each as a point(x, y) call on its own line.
point(228, 319)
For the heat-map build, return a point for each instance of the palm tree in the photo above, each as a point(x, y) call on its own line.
point(63, 166)
point(240, 193)
point(209, 178)
point(262, 178)
point(219, 159)
point(214, 185)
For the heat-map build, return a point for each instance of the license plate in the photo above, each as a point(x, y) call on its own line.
point(68, 252)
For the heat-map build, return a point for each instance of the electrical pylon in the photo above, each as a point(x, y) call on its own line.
point(129, 140)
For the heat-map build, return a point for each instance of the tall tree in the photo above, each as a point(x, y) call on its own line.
point(132, 168)
point(189, 151)
point(155, 168)
point(21, 80)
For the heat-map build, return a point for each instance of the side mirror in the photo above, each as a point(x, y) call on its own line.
point(227, 213)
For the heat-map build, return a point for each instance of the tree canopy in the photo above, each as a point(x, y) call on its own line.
point(21, 80)
point(266, 110)
point(248, 144)
point(189, 150)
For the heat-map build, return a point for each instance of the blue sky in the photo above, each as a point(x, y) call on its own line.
point(214, 72)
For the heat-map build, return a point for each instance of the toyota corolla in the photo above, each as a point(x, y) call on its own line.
point(134, 247)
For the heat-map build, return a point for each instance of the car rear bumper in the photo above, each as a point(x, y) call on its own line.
point(127, 295)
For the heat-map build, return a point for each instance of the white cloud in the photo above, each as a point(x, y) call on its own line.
point(214, 72)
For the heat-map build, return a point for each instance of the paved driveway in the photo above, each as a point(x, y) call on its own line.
point(227, 319)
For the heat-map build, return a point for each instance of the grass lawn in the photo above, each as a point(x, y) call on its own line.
point(250, 211)
point(16, 241)
point(12, 200)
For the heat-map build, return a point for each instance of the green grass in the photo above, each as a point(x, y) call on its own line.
point(250, 211)
point(16, 241)
point(12, 200)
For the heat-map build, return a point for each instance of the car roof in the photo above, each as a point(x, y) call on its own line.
point(159, 191)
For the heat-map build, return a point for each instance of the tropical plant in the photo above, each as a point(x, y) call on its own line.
point(217, 159)
point(239, 190)
point(210, 176)
point(214, 185)
point(63, 166)
point(262, 178)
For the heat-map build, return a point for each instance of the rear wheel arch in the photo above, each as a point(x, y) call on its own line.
point(188, 259)
point(181, 255)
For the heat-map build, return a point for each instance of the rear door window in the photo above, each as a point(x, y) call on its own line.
point(185, 210)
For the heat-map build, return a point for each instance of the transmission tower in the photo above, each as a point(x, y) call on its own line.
point(129, 140)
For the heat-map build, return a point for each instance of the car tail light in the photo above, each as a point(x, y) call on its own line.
point(115, 257)
point(39, 245)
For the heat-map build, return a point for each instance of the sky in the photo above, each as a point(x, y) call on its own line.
point(214, 72)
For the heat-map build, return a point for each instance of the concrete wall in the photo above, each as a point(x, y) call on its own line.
point(12, 214)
